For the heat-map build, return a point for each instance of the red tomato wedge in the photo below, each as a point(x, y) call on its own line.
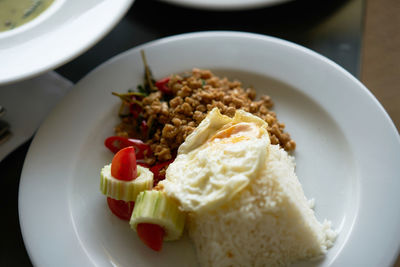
point(123, 165)
point(151, 234)
point(120, 208)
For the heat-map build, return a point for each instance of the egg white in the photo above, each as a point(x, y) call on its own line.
point(217, 160)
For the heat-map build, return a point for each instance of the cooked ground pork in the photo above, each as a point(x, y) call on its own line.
point(172, 117)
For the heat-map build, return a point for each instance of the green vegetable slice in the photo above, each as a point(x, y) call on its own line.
point(125, 190)
point(156, 207)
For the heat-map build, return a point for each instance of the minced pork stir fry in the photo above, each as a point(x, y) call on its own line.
point(164, 113)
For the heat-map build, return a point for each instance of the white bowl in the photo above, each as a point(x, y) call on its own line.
point(62, 32)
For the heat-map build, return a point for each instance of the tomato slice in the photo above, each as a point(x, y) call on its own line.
point(151, 234)
point(120, 208)
point(123, 165)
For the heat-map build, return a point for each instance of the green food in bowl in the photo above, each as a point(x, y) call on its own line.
point(14, 13)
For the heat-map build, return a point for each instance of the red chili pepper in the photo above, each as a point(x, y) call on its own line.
point(157, 168)
point(162, 85)
point(143, 164)
point(116, 143)
point(144, 127)
point(135, 110)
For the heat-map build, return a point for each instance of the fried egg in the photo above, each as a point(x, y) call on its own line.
point(217, 161)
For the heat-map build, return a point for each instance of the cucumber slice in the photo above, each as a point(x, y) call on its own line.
point(156, 207)
point(125, 190)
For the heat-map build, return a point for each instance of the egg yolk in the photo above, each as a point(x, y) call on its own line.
point(237, 133)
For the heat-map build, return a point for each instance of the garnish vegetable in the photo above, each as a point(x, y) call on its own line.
point(120, 208)
point(151, 234)
point(116, 143)
point(125, 190)
point(156, 208)
point(122, 180)
point(123, 166)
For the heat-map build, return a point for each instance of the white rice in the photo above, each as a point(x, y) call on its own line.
point(269, 223)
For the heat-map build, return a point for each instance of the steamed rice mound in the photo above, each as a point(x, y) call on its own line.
point(269, 223)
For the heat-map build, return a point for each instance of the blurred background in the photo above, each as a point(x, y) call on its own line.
point(363, 36)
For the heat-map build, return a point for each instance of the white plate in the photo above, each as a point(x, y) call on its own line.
point(62, 32)
point(347, 157)
point(223, 5)
point(38, 95)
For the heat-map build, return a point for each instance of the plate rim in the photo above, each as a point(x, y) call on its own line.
point(230, 6)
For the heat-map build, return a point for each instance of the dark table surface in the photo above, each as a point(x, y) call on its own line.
point(332, 28)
